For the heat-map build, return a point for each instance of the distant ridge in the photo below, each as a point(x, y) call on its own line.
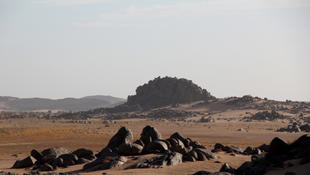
point(66, 104)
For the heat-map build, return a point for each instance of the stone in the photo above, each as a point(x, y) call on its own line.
point(156, 146)
point(139, 142)
point(25, 163)
point(84, 153)
point(123, 136)
point(202, 173)
point(179, 137)
point(204, 154)
point(69, 159)
point(104, 163)
point(241, 130)
point(277, 146)
point(130, 149)
point(149, 134)
point(45, 167)
point(108, 159)
point(227, 168)
point(218, 147)
point(82, 160)
point(36, 154)
point(168, 159)
point(251, 151)
point(56, 151)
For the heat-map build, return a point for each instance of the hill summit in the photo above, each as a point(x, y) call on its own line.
point(167, 91)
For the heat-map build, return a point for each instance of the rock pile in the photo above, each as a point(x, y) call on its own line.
point(295, 127)
point(266, 115)
point(167, 91)
point(235, 150)
point(206, 119)
point(173, 150)
point(51, 158)
point(246, 99)
point(170, 114)
point(278, 155)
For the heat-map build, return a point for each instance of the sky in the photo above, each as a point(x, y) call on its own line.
point(74, 48)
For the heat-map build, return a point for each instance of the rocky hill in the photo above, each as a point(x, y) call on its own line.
point(167, 91)
point(66, 104)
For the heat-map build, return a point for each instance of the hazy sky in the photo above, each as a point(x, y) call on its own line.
point(74, 48)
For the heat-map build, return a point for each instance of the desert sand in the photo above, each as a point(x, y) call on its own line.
point(19, 136)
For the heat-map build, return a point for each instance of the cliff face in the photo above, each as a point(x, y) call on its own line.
point(167, 91)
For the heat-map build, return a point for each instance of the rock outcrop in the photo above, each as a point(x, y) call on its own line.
point(167, 91)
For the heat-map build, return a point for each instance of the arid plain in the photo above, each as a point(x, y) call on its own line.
point(19, 136)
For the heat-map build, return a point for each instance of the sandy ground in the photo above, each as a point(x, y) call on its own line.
point(19, 136)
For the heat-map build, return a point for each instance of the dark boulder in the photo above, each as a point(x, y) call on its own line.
point(218, 147)
point(45, 167)
point(69, 159)
point(107, 160)
point(228, 149)
point(56, 151)
point(179, 137)
point(278, 146)
point(168, 159)
point(227, 168)
point(25, 163)
point(84, 153)
point(204, 154)
point(123, 136)
point(130, 149)
point(202, 173)
point(156, 146)
point(251, 151)
point(149, 134)
point(36, 154)
point(139, 142)
point(82, 160)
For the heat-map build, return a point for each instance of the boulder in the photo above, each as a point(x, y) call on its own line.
point(25, 163)
point(179, 137)
point(227, 168)
point(130, 149)
point(251, 151)
point(56, 151)
point(36, 154)
point(204, 154)
point(156, 146)
point(168, 159)
point(84, 153)
point(139, 142)
point(218, 147)
point(82, 160)
point(107, 160)
point(69, 159)
point(104, 163)
point(123, 136)
point(149, 134)
point(277, 146)
point(45, 167)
